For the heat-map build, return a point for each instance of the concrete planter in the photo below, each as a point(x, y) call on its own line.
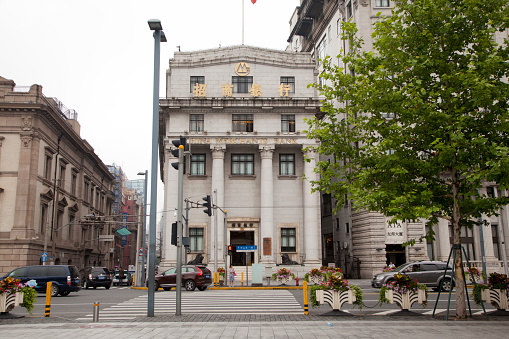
point(285, 280)
point(496, 297)
point(316, 279)
point(407, 299)
point(335, 299)
point(9, 300)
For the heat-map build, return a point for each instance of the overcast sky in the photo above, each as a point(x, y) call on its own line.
point(96, 56)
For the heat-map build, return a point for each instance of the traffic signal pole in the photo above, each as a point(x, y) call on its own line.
point(178, 287)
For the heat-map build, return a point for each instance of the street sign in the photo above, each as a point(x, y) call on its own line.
point(44, 257)
point(248, 248)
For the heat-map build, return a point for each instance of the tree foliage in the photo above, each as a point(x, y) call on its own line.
point(423, 123)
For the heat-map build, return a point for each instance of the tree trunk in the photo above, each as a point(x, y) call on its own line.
point(461, 310)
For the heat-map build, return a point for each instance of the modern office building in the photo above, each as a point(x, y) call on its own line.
point(243, 110)
point(54, 190)
point(362, 242)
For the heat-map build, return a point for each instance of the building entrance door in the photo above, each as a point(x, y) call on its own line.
point(241, 238)
point(395, 254)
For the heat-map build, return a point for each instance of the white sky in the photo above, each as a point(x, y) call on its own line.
point(96, 56)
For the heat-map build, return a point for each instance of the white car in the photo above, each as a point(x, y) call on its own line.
point(128, 280)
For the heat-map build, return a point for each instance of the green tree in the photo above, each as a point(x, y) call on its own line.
point(423, 123)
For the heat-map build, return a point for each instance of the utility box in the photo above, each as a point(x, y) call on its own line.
point(257, 272)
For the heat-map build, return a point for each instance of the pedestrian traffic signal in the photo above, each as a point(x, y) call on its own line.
point(229, 249)
point(174, 234)
point(207, 205)
point(177, 143)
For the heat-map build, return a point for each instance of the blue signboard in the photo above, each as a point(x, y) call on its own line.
point(248, 248)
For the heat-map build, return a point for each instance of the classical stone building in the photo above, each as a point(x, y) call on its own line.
point(242, 110)
point(362, 242)
point(55, 192)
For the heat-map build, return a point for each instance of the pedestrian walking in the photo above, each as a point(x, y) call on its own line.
point(231, 275)
point(121, 276)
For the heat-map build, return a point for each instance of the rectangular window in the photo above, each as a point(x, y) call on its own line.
point(198, 164)
point(91, 196)
point(327, 204)
point(287, 123)
point(196, 239)
point(62, 176)
point(288, 81)
point(321, 50)
point(349, 11)
point(71, 226)
point(196, 80)
point(242, 164)
point(242, 122)
point(86, 187)
point(242, 84)
point(288, 240)
point(382, 3)
point(196, 123)
point(287, 164)
point(47, 166)
point(74, 180)
point(44, 215)
point(429, 246)
point(494, 234)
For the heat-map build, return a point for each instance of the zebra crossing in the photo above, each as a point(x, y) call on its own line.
point(263, 302)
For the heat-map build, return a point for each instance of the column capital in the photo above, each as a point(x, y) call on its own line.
point(218, 151)
point(266, 151)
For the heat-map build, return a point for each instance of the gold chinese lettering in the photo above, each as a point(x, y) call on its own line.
point(256, 91)
point(284, 88)
point(227, 90)
point(199, 90)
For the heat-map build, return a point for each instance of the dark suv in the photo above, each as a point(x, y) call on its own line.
point(192, 277)
point(97, 277)
point(64, 278)
point(429, 273)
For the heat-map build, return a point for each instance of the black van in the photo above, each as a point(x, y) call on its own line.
point(64, 278)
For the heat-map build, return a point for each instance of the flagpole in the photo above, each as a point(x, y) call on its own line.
point(242, 21)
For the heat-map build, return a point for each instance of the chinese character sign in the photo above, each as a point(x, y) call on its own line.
point(394, 233)
point(227, 90)
point(283, 90)
point(199, 90)
point(256, 91)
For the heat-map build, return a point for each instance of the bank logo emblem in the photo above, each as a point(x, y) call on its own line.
point(242, 69)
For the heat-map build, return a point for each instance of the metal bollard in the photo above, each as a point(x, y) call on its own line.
point(47, 309)
point(297, 281)
point(305, 290)
point(96, 312)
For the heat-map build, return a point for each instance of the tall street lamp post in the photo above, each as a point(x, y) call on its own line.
point(155, 25)
point(143, 229)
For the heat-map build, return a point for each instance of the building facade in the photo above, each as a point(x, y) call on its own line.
point(362, 242)
point(242, 110)
point(55, 192)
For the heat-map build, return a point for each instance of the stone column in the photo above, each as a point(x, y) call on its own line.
point(169, 255)
point(444, 243)
point(217, 218)
point(267, 202)
point(311, 210)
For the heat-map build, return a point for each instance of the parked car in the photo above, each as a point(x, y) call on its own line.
point(429, 273)
point(128, 278)
point(192, 277)
point(64, 278)
point(97, 277)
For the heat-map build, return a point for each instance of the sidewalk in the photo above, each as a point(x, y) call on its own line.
point(186, 328)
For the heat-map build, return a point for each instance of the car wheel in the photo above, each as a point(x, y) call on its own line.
point(447, 285)
point(190, 285)
point(54, 290)
point(167, 288)
point(64, 294)
point(95, 287)
point(202, 288)
point(107, 287)
point(156, 285)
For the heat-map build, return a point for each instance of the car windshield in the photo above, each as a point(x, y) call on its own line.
point(399, 268)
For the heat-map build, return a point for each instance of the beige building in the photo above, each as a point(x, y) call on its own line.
point(55, 192)
point(242, 110)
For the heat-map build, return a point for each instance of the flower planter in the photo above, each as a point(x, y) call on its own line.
point(407, 299)
point(316, 279)
point(496, 297)
point(284, 280)
point(9, 300)
point(334, 298)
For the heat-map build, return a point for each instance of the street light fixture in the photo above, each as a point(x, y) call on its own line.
point(155, 25)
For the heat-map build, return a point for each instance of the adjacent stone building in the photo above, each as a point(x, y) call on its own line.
point(55, 192)
point(242, 110)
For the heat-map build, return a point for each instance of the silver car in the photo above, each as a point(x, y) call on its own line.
point(429, 273)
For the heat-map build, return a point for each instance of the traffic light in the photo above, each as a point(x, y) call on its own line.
point(175, 152)
point(229, 249)
point(207, 205)
point(174, 234)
